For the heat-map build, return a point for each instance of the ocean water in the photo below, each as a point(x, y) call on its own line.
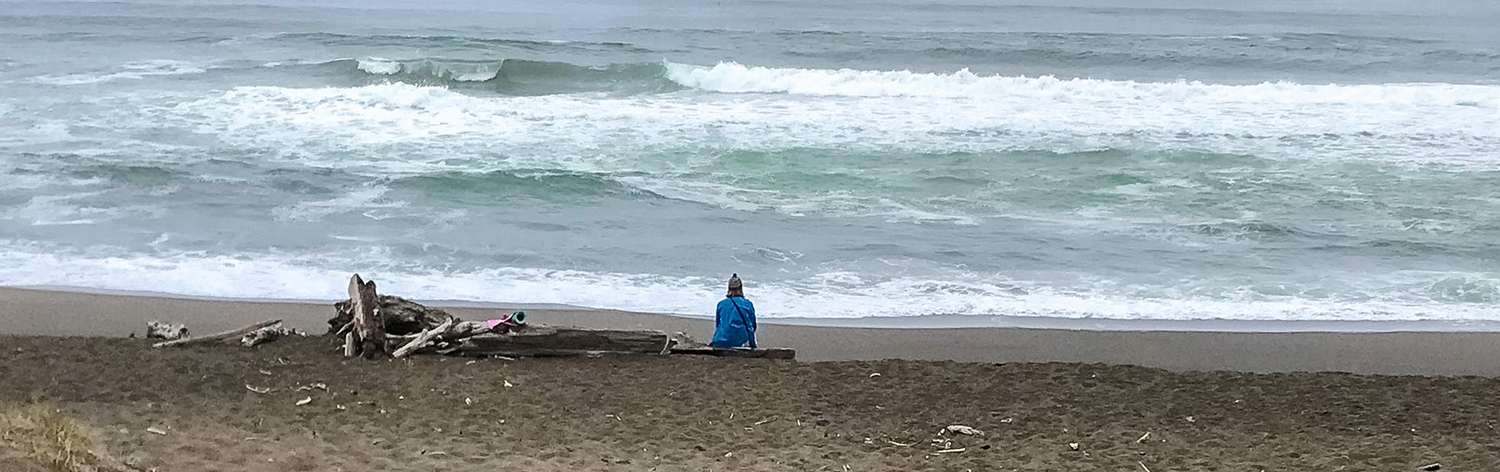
point(1245, 160)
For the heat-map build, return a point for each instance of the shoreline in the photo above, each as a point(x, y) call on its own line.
point(30, 312)
point(905, 322)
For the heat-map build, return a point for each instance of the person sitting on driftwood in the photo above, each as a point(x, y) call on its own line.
point(735, 318)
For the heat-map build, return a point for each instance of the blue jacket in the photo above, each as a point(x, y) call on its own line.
point(735, 319)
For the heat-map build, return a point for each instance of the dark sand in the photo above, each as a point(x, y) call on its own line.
point(51, 313)
point(433, 413)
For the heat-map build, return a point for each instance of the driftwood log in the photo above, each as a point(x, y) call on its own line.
point(548, 341)
point(169, 332)
point(368, 327)
point(267, 334)
point(759, 353)
point(423, 340)
point(226, 335)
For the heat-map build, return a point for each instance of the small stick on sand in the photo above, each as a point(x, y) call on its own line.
point(1143, 437)
point(219, 336)
point(1143, 466)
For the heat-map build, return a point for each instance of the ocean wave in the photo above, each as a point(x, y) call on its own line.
point(1224, 122)
point(451, 42)
point(85, 208)
point(128, 71)
point(547, 184)
point(507, 76)
point(835, 294)
point(730, 77)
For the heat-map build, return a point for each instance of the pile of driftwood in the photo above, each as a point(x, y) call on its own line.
point(372, 325)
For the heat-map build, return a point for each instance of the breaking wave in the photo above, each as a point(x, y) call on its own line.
point(729, 77)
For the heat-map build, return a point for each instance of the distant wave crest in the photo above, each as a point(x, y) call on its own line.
point(730, 77)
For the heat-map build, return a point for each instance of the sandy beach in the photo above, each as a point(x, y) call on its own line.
point(1210, 401)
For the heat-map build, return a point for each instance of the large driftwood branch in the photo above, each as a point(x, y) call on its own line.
point(369, 327)
point(422, 340)
point(467, 329)
point(218, 336)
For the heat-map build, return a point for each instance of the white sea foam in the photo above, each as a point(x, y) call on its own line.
point(391, 113)
point(377, 128)
point(732, 77)
point(375, 65)
point(66, 209)
point(128, 71)
point(365, 200)
point(827, 295)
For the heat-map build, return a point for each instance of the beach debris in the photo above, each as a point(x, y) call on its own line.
point(156, 431)
point(304, 401)
point(265, 372)
point(877, 374)
point(1073, 446)
point(423, 339)
point(217, 336)
point(316, 386)
point(1191, 419)
point(953, 451)
point(267, 334)
point(1431, 467)
point(260, 390)
point(764, 421)
point(468, 401)
point(170, 332)
point(340, 407)
point(961, 429)
point(1008, 420)
point(1143, 437)
point(729, 454)
point(371, 324)
point(367, 335)
point(894, 443)
point(1143, 466)
point(507, 383)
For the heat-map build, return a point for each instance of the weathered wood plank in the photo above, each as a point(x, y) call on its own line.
point(554, 341)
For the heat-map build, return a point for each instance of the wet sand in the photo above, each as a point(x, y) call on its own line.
point(1024, 388)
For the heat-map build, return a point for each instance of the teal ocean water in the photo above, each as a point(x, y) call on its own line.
point(1247, 160)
